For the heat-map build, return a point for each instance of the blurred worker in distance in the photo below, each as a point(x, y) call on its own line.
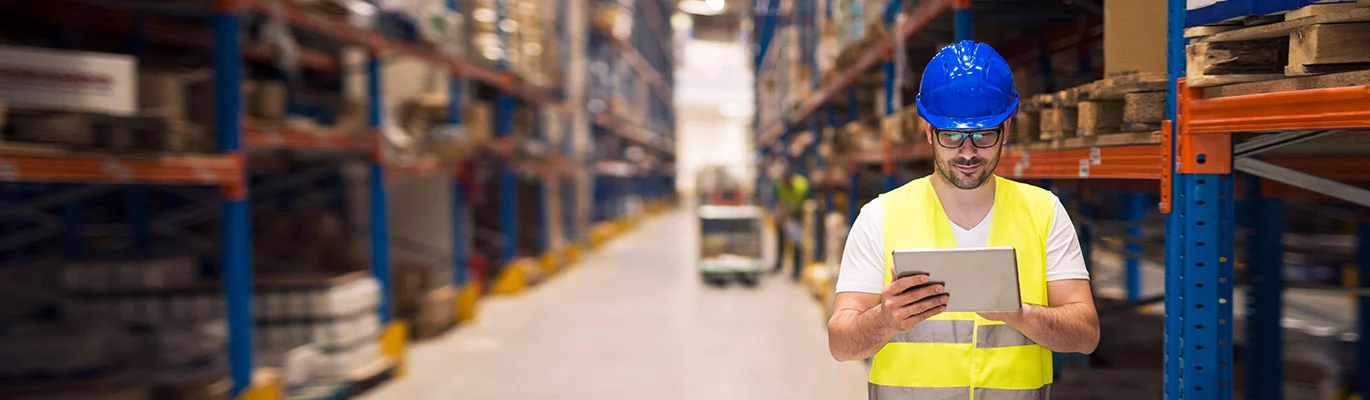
point(791, 190)
point(965, 100)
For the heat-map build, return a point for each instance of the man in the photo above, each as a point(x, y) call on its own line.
point(791, 190)
point(920, 352)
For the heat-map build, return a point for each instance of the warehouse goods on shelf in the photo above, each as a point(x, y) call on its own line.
point(221, 174)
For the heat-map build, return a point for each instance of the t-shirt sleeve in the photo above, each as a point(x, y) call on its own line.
point(863, 260)
point(1064, 258)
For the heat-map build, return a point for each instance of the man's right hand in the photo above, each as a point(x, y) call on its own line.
point(901, 308)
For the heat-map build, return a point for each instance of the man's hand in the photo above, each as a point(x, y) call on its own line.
point(902, 308)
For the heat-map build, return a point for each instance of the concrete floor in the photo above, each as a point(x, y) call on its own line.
point(633, 321)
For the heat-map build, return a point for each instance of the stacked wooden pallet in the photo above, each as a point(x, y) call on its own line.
point(1314, 40)
point(1131, 104)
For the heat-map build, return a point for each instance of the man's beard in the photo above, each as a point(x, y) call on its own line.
point(962, 180)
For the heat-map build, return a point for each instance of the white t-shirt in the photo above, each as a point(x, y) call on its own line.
point(863, 258)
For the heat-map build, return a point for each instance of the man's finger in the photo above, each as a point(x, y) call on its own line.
point(931, 312)
point(919, 293)
point(898, 286)
point(928, 303)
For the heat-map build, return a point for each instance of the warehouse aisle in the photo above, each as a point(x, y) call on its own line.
point(632, 321)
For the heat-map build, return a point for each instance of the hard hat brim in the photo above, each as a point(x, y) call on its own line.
point(967, 123)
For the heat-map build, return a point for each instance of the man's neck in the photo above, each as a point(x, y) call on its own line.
point(981, 198)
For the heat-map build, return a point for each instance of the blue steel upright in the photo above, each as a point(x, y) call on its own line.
point(508, 181)
point(1174, 284)
point(236, 229)
point(1200, 258)
point(460, 237)
point(965, 21)
point(380, 219)
point(504, 128)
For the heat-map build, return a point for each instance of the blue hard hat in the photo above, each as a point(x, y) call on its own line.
point(967, 85)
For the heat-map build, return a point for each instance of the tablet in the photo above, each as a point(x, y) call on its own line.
point(978, 279)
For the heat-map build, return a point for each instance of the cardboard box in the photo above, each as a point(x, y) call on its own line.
point(162, 93)
point(1134, 37)
point(69, 80)
point(268, 100)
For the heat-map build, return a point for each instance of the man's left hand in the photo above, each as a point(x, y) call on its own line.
point(1009, 317)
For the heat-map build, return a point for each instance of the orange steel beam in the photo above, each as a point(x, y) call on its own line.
point(1312, 109)
point(1119, 162)
point(259, 136)
point(920, 17)
point(1198, 151)
point(208, 170)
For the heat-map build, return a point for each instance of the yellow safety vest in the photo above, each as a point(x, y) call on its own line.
point(958, 355)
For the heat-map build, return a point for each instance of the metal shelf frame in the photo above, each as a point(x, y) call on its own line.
point(647, 53)
point(639, 68)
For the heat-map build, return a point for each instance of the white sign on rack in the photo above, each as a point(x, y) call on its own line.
point(69, 80)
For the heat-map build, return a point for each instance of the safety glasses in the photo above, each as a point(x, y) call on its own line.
point(982, 139)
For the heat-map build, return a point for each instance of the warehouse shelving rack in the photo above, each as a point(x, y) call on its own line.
point(1195, 163)
point(634, 71)
point(773, 137)
point(1192, 166)
point(228, 169)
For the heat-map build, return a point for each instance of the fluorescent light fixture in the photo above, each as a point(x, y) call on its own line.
point(699, 7)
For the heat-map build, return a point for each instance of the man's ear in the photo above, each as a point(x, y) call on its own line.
point(927, 130)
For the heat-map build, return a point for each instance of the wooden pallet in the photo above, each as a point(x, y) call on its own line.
point(1314, 40)
point(1128, 103)
point(1343, 79)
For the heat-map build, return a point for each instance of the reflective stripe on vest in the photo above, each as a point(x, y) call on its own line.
point(955, 393)
point(963, 331)
point(957, 355)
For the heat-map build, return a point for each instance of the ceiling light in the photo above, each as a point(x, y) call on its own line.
point(716, 5)
point(699, 7)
